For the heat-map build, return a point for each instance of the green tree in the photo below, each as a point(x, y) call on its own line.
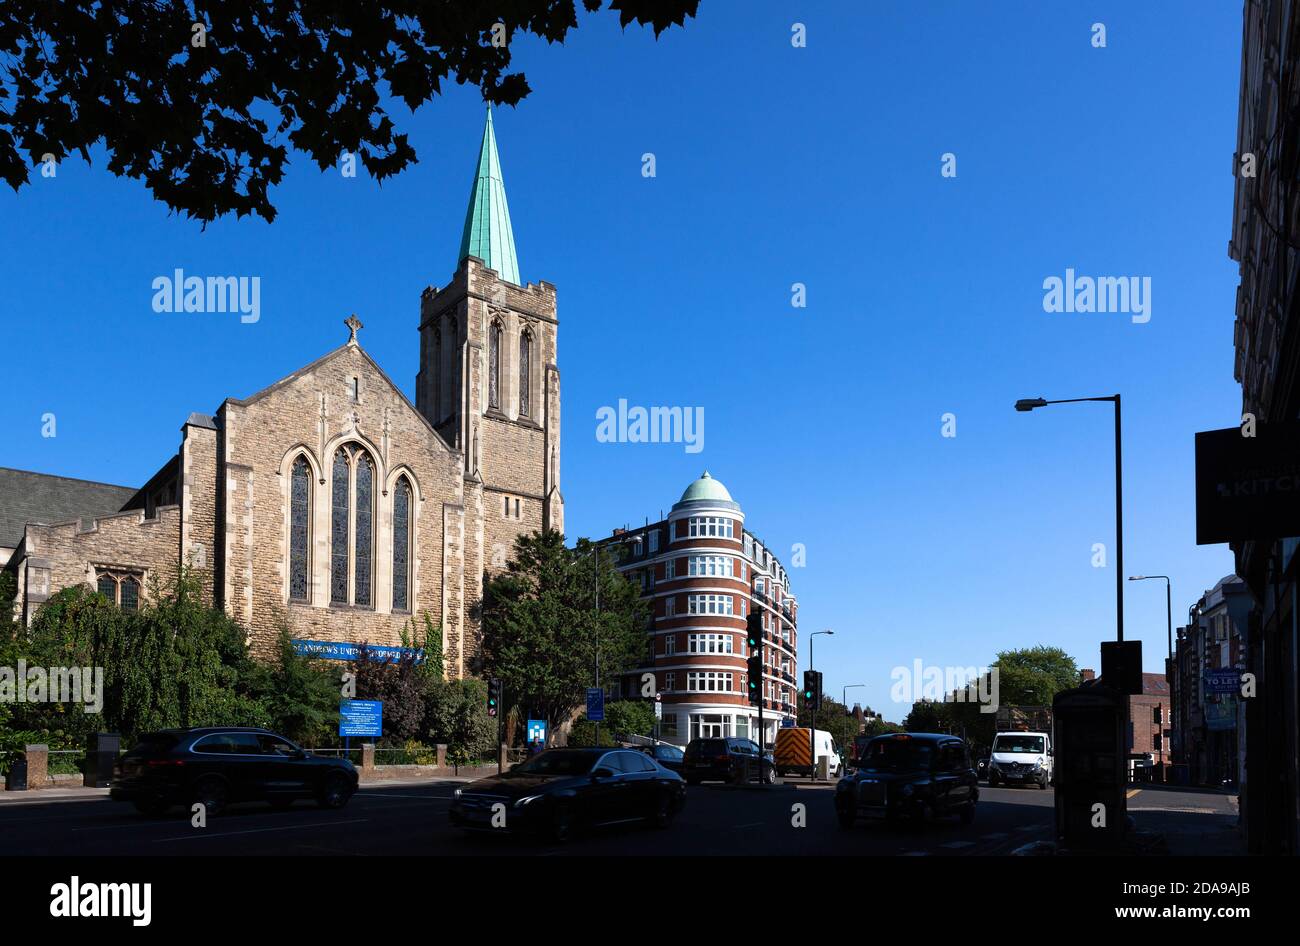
point(542, 635)
point(300, 693)
point(1032, 676)
point(175, 662)
point(630, 717)
point(208, 120)
point(456, 715)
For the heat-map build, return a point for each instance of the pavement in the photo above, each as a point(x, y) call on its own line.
point(404, 818)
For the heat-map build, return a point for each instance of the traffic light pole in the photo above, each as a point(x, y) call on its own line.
point(500, 704)
point(762, 733)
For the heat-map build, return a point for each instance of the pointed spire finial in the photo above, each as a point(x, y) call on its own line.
point(353, 323)
point(488, 233)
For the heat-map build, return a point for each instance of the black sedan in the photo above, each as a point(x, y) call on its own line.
point(670, 757)
point(909, 775)
point(218, 766)
point(560, 791)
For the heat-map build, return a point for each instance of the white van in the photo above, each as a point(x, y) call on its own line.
point(791, 751)
point(1021, 757)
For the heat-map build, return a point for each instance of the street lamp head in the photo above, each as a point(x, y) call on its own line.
point(1029, 403)
point(1136, 577)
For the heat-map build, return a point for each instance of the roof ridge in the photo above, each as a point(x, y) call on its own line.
point(60, 476)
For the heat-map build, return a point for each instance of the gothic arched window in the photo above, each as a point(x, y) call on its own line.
point(402, 546)
point(352, 527)
point(130, 594)
point(365, 529)
point(107, 587)
point(525, 375)
point(299, 528)
point(494, 365)
point(339, 496)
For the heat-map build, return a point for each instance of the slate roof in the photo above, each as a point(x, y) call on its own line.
point(40, 497)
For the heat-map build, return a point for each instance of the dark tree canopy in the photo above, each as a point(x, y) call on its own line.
point(206, 119)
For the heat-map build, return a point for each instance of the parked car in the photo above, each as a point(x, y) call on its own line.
point(723, 760)
point(909, 775)
point(217, 766)
point(670, 757)
point(560, 791)
point(1021, 757)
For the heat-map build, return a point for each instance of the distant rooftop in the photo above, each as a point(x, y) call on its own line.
point(42, 497)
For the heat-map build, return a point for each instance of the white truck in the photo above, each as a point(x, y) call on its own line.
point(1020, 758)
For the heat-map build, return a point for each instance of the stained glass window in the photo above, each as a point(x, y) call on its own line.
point(494, 365)
point(108, 587)
point(525, 382)
point(130, 594)
point(339, 531)
point(401, 545)
point(299, 510)
point(365, 534)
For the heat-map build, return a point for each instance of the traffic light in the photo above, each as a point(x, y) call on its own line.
point(812, 689)
point(754, 638)
point(494, 696)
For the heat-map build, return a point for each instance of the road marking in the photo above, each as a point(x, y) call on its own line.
point(287, 827)
point(387, 795)
point(1187, 811)
point(1131, 792)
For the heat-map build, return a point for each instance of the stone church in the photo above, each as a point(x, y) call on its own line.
point(328, 496)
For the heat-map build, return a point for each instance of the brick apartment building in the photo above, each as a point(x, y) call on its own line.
point(1209, 727)
point(704, 573)
point(329, 496)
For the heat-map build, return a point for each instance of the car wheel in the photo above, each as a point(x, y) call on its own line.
point(968, 813)
point(662, 815)
point(153, 807)
point(335, 792)
point(993, 780)
point(769, 775)
point(846, 817)
point(1042, 784)
point(562, 824)
point(212, 794)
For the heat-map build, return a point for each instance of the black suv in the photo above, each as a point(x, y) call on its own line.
point(725, 760)
point(217, 766)
point(912, 775)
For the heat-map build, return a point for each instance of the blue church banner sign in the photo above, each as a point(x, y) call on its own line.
point(342, 650)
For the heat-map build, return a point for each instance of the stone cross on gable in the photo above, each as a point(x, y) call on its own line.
point(353, 323)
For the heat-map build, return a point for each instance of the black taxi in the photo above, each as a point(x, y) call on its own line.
point(909, 775)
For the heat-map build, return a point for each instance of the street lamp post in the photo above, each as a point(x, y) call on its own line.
point(1028, 404)
point(812, 715)
point(1169, 609)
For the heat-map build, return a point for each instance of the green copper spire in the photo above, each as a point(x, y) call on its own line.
point(487, 222)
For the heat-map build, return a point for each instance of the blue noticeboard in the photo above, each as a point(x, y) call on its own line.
point(361, 718)
point(536, 730)
point(595, 704)
point(1222, 681)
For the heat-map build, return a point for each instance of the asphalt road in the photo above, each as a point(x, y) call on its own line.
point(407, 819)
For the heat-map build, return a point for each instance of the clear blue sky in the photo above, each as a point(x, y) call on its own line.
point(775, 165)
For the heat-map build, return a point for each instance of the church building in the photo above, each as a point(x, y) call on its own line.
point(328, 497)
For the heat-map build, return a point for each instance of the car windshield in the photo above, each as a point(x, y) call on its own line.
point(896, 755)
point(558, 762)
point(1031, 744)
